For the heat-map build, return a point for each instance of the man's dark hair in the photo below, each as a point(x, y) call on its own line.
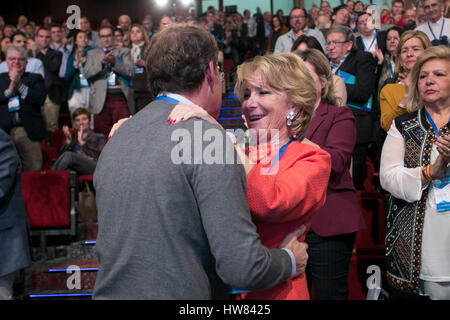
point(339, 8)
point(298, 8)
point(118, 29)
point(178, 58)
point(18, 33)
point(106, 27)
point(55, 25)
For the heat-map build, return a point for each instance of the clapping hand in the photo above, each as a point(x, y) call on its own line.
point(443, 147)
point(80, 136)
point(67, 134)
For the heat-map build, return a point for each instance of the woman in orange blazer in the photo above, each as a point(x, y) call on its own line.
point(287, 175)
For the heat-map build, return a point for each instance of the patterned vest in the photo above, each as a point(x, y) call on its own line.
point(404, 221)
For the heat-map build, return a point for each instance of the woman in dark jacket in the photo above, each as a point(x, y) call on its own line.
point(79, 86)
point(138, 43)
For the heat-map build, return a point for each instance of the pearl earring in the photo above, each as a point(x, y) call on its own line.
point(289, 117)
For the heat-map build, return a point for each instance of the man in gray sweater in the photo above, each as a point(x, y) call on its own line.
point(173, 217)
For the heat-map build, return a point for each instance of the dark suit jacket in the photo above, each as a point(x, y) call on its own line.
point(333, 129)
point(30, 106)
point(14, 241)
point(57, 88)
point(362, 65)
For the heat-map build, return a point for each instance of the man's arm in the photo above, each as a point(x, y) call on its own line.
point(365, 79)
point(93, 64)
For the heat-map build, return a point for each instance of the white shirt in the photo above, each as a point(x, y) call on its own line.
point(405, 183)
point(284, 43)
point(436, 27)
point(370, 43)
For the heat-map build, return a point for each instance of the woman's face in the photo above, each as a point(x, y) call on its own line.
point(136, 35)
point(264, 107)
point(434, 82)
point(411, 49)
point(317, 81)
point(82, 40)
point(5, 44)
point(392, 40)
point(276, 21)
point(82, 122)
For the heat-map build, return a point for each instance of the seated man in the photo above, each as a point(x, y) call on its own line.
point(21, 96)
point(82, 149)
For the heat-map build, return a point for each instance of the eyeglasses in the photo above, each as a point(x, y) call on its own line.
point(16, 59)
point(105, 35)
point(335, 43)
point(297, 17)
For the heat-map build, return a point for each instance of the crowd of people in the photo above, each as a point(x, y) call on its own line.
point(321, 91)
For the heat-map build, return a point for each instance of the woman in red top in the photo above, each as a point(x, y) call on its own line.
point(287, 175)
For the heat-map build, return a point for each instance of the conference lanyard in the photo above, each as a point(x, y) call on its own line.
point(391, 69)
point(371, 44)
point(167, 99)
point(433, 125)
point(281, 152)
point(431, 30)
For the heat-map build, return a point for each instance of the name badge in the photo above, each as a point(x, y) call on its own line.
point(111, 79)
point(138, 69)
point(14, 104)
point(442, 193)
point(83, 82)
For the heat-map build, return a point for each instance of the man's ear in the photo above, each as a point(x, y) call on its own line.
point(210, 74)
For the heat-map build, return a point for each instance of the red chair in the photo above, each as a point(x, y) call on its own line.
point(50, 149)
point(49, 198)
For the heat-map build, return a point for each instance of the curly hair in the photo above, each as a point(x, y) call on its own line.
point(178, 58)
point(284, 72)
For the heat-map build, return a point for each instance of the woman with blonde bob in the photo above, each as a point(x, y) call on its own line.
point(415, 170)
point(287, 175)
point(393, 96)
point(333, 230)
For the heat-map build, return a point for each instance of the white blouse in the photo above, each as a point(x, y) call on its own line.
point(405, 183)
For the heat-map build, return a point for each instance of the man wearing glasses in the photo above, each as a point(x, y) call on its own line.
point(297, 20)
point(437, 27)
point(357, 68)
point(109, 71)
point(21, 96)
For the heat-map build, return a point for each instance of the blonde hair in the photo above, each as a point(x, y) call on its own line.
point(322, 68)
point(287, 73)
point(407, 35)
point(414, 99)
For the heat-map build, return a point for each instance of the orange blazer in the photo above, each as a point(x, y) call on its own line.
point(283, 200)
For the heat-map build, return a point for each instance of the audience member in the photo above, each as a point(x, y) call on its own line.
point(437, 27)
point(21, 96)
point(390, 57)
point(5, 42)
point(85, 26)
point(81, 150)
point(55, 86)
point(341, 17)
point(206, 252)
point(357, 68)
point(277, 29)
point(395, 17)
point(15, 248)
point(109, 71)
point(78, 94)
point(415, 155)
point(165, 22)
point(393, 96)
point(333, 230)
point(297, 19)
point(139, 45)
point(337, 89)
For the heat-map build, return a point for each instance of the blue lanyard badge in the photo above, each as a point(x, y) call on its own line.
point(111, 79)
point(281, 152)
point(167, 99)
point(391, 69)
point(433, 125)
point(14, 104)
point(431, 30)
point(371, 44)
point(83, 81)
point(138, 69)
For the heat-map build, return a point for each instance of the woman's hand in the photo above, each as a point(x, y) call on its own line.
point(81, 135)
point(67, 134)
point(183, 112)
point(140, 63)
point(443, 147)
point(117, 125)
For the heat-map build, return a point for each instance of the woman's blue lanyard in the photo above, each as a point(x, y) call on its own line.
point(391, 69)
point(433, 125)
point(371, 44)
point(167, 99)
point(281, 152)
point(442, 28)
